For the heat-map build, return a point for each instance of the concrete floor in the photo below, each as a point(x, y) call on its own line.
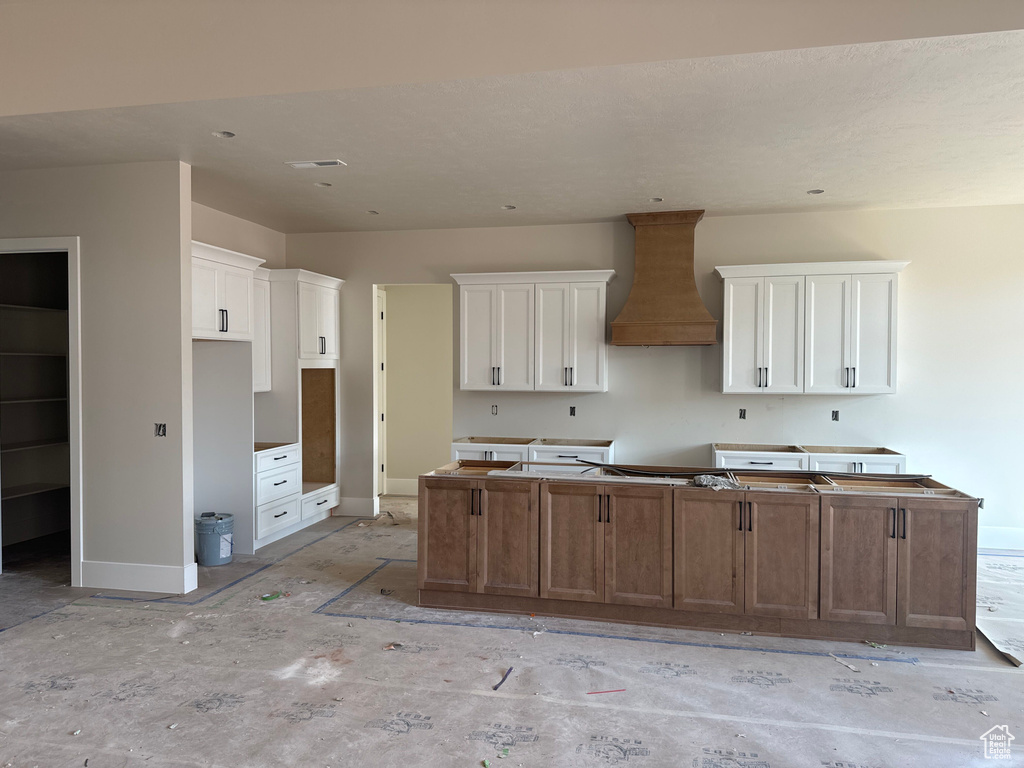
point(221, 678)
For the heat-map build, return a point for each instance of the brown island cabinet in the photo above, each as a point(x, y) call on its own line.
point(811, 555)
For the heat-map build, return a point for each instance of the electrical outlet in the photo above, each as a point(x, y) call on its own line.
point(835, 415)
point(494, 410)
point(743, 413)
point(159, 430)
point(572, 410)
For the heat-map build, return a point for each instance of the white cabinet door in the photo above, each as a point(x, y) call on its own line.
point(309, 327)
point(261, 353)
point(832, 464)
point(514, 341)
point(884, 465)
point(206, 317)
point(553, 300)
point(873, 334)
point(588, 353)
point(827, 334)
point(328, 323)
point(477, 333)
point(743, 336)
point(783, 346)
point(236, 301)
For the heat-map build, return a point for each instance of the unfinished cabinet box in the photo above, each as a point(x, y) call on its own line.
point(222, 293)
point(606, 543)
point(744, 456)
point(478, 537)
point(491, 448)
point(878, 461)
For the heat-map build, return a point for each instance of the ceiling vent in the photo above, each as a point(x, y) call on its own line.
point(303, 164)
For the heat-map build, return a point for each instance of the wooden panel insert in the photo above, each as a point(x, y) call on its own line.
point(319, 425)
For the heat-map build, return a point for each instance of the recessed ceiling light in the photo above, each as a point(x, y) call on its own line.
point(508, 207)
point(304, 164)
point(815, 191)
point(655, 199)
point(323, 184)
point(224, 134)
point(374, 213)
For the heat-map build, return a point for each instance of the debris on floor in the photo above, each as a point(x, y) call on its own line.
point(844, 663)
point(616, 690)
point(270, 596)
point(503, 679)
point(392, 646)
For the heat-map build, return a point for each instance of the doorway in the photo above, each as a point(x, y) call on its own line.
point(40, 407)
point(413, 383)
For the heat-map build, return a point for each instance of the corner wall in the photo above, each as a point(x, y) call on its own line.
point(226, 231)
point(961, 343)
point(134, 222)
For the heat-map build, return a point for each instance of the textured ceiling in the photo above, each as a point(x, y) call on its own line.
point(922, 123)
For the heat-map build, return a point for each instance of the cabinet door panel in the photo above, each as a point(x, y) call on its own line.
point(477, 331)
point(743, 334)
point(873, 334)
point(205, 291)
point(937, 564)
point(446, 557)
point(571, 543)
point(309, 329)
point(507, 539)
point(708, 551)
point(327, 320)
point(237, 300)
point(514, 340)
point(638, 546)
point(827, 334)
point(781, 556)
point(588, 353)
point(784, 334)
point(858, 560)
point(552, 336)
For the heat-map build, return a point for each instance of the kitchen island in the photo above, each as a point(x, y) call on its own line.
point(842, 556)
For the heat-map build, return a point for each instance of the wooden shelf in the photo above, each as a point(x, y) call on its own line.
point(30, 489)
point(29, 308)
point(308, 488)
point(35, 400)
point(29, 445)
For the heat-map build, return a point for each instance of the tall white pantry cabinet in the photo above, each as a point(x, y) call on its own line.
point(815, 328)
point(533, 331)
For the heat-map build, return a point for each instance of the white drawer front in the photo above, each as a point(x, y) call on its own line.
point(488, 452)
point(763, 460)
point(321, 502)
point(283, 457)
point(273, 517)
point(271, 486)
point(569, 455)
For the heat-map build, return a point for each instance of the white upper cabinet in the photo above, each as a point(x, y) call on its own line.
point(261, 345)
point(222, 298)
point(533, 331)
point(763, 334)
point(817, 328)
point(318, 321)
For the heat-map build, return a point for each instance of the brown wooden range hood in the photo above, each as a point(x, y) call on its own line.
point(664, 308)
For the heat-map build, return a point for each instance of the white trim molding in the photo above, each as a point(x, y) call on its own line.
point(812, 268)
point(224, 256)
point(140, 577)
point(351, 506)
point(571, 276)
point(304, 276)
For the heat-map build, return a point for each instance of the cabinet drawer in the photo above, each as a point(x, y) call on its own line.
point(283, 457)
point(271, 486)
point(273, 517)
point(571, 455)
point(312, 505)
point(753, 460)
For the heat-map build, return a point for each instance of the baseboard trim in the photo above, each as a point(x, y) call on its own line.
point(140, 577)
point(400, 486)
point(352, 506)
point(1006, 540)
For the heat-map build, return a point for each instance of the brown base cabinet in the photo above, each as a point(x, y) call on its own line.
point(838, 566)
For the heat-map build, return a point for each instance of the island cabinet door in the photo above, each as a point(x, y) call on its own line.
point(507, 531)
point(709, 551)
point(858, 559)
point(937, 563)
point(571, 542)
point(638, 545)
point(447, 549)
point(781, 555)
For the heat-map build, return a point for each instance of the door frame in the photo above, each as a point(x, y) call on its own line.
point(71, 246)
point(379, 392)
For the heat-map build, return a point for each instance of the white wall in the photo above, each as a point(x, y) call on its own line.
point(226, 231)
point(961, 343)
point(134, 222)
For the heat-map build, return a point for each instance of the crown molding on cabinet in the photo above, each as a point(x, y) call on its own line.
point(568, 276)
point(304, 276)
point(812, 268)
point(224, 256)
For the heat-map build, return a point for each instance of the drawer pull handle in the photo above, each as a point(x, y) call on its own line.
point(282, 514)
point(562, 456)
point(281, 483)
point(322, 502)
point(278, 458)
point(766, 463)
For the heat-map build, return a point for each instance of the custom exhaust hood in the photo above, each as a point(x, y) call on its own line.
point(664, 308)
